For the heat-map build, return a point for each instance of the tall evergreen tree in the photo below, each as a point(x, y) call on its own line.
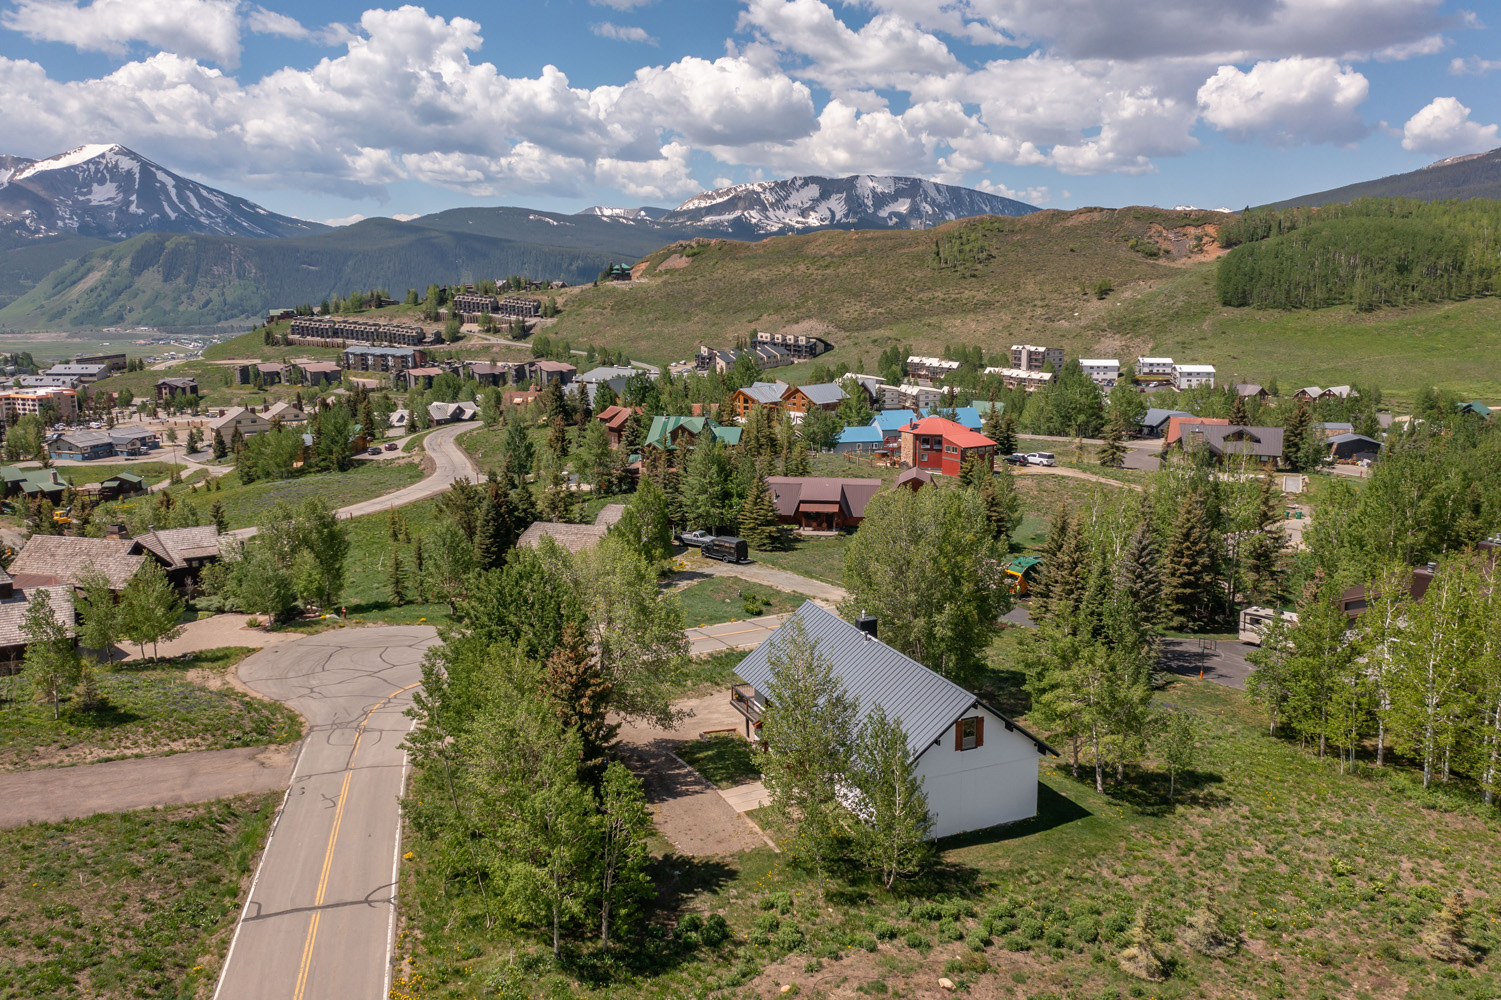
point(1188, 576)
point(1139, 572)
point(1113, 446)
point(1296, 435)
point(758, 517)
point(396, 585)
point(580, 695)
point(1238, 411)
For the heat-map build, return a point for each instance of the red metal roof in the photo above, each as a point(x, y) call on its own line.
point(952, 433)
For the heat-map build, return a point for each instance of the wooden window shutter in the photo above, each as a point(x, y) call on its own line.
point(959, 735)
point(979, 731)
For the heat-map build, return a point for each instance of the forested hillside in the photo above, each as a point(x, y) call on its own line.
point(192, 280)
point(1368, 254)
point(1477, 176)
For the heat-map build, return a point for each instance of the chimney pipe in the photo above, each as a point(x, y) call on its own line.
point(867, 624)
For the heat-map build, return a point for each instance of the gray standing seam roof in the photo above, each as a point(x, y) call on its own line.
point(926, 703)
point(824, 393)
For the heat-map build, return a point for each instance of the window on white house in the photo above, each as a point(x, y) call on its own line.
point(969, 733)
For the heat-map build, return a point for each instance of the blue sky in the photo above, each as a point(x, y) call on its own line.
point(337, 110)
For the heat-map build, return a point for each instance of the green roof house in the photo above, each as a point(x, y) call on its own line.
point(668, 432)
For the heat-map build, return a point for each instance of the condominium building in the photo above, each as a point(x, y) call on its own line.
point(1013, 378)
point(919, 366)
point(1193, 376)
point(1033, 359)
point(1154, 367)
point(17, 403)
point(1104, 371)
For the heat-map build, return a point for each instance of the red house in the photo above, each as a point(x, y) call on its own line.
point(941, 446)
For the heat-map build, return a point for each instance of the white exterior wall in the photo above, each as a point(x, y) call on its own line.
point(1101, 369)
point(975, 789)
point(1154, 366)
point(1193, 376)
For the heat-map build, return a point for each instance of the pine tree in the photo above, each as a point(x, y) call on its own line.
point(1113, 446)
point(1264, 551)
point(1188, 576)
point(1446, 936)
point(1065, 569)
point(557, 438)
point(236, 442)
point(1041, 589)
point(493, 536)
point(795, 460)
point(396, 579)
point(758, 517)
point(580, 695)
point(1139, 573)
point(1003, 510)
point(1238, 416)
point(1296, 435)
point(219, 516)
point(1006, 440)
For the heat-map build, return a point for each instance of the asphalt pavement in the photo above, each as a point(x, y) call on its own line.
point(319, 920)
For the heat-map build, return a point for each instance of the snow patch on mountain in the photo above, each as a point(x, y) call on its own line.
point(862, 201)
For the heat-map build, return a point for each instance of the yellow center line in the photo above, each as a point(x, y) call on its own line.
point(333, 836)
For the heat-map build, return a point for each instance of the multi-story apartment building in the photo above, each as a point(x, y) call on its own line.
point(1033, 359)
point(1154, 368)
point(336, 331)
point(800, 346)
point(365, 358)
point(922, 367)
point(1013, 378)
point(1193, 376)
point(17, 403)
point(1104, 371)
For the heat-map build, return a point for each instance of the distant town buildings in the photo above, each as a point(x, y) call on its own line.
point(933, 369)
point(1104, 371)
point(1033, 359)
point(1193, 377)
point(334, 331)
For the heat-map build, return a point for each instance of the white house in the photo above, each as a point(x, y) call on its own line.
point(916, 397)
point(978, 767)
point(1104, 371)
point(1154, 367)
point(1193, 376)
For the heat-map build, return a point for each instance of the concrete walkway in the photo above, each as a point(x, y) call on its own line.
point(55, 794)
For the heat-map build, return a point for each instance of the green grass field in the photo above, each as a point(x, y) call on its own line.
point(174, 706)
point(126, 905)
point(246, 505)
point(821, 558)
point(367, 590)
point(1323, 882)
point(79, 475)
point(726, 761)
point(723, 598)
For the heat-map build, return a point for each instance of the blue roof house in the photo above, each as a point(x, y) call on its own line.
point(860, 438)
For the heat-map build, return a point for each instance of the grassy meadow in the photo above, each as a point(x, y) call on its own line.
point(865, 291)
point(246, 504)
point(177, 705)
point(726, 598)
point(126, 905)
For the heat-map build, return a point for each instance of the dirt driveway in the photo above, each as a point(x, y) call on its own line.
point(689, 811)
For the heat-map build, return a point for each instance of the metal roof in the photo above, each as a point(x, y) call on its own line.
point(893, 420)
point(1156, 417)
point(873, 673)
point(824, 393)
point(765, 392)
point(861, 435)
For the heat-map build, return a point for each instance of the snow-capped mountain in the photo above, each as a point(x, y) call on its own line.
point(643, 214)
point(111, 192)
point(862, 201)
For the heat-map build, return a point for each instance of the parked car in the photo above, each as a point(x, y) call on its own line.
point(373, 450)
point(726, 549)
point(696, 538)
point(1015, 458)
point(1040, 458)
point(391, 446)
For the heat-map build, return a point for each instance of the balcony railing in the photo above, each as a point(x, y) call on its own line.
point(743, 697)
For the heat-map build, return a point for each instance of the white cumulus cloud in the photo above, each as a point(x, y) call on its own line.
point(200, 29)
point(1287, 101)
point(1444, 126)
point(621, 33)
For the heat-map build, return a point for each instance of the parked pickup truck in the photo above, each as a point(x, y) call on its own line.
point(1040, 458)
point(695, 538)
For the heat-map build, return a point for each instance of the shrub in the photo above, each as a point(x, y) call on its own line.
point(1086, 929)
point(977, 939)
point(715, 931)
point(768, 922)
point(884, 931)
point(1032, 929)
point(1054, 937)
point(690, 924)
point(916, 940)
point(948, 930)
point(790, 938)
point(1018, 943)
point(927, 911)
point(1114, 924)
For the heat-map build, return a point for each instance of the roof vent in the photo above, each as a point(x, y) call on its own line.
point(867, 624)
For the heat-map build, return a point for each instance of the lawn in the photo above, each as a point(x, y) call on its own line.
point(726, 761)
point(1323, 882)
point(152, 472)
point(247, 505)
point(175, 706)
point(725, 598)
point(819, 557)
point(367, 568)
point(125, 905)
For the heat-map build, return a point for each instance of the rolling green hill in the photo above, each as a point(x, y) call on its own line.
point(1474, 176)
point(1030, 280)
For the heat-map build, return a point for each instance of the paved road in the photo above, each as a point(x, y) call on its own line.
point(319, 920)
point(732, 635)
point(451, 463)
point(54, 794)
point(1222, 661)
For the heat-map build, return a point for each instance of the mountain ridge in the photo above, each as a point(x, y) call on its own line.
point(1471, 175)
point(106, 190)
